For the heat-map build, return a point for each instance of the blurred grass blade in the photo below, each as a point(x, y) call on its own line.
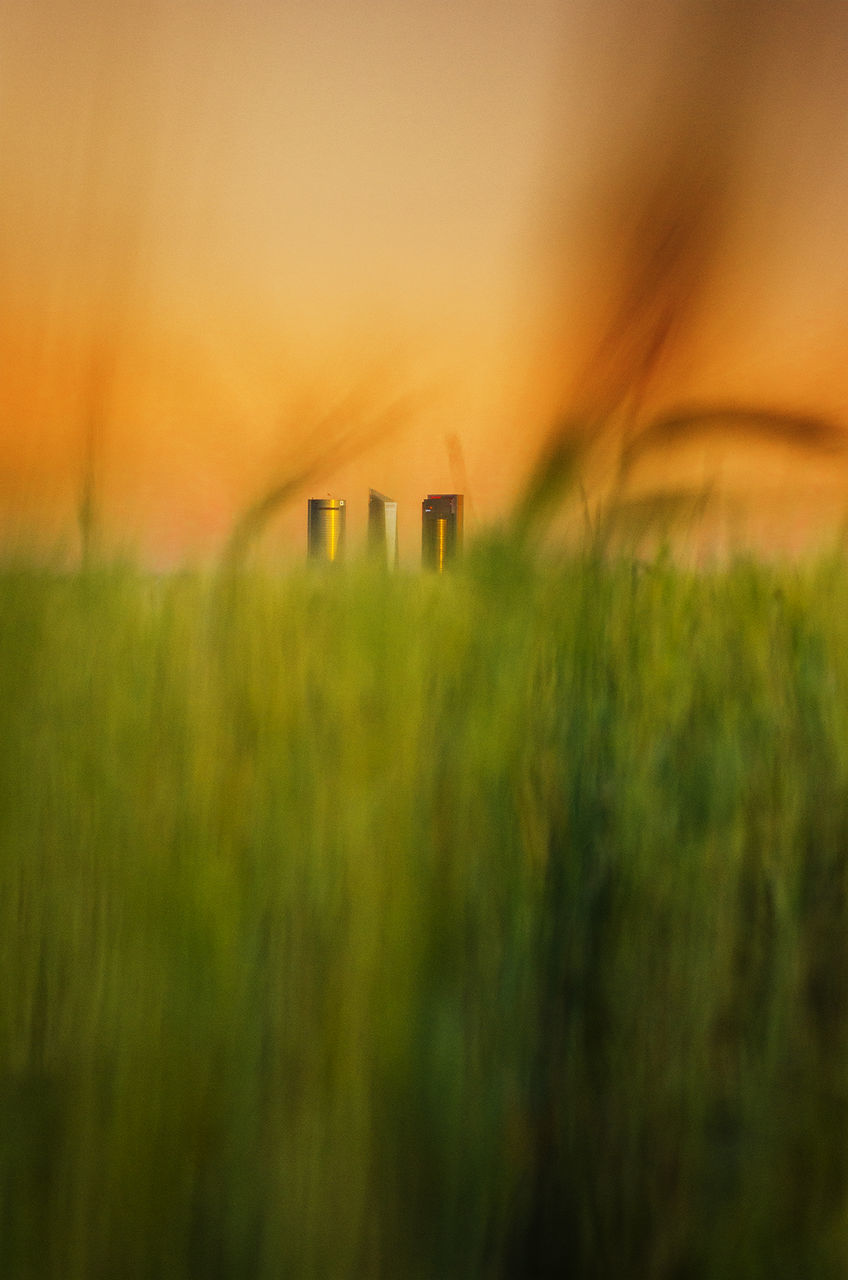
point(658, 512)
point(812, 432)
point(553, 480)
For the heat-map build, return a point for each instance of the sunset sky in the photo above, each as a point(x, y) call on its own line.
point(226, 226)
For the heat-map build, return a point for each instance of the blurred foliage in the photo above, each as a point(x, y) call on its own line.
point(395, 926)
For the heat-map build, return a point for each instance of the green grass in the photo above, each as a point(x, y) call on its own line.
point(367, 926)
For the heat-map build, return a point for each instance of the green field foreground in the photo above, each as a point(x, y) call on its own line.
point(408, 927)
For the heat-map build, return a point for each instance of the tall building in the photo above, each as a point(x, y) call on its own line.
point(441, 530)
point(326, 529)
point(382, 528)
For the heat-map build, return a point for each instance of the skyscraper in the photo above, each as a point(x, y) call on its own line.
point(326, 529)
point(441, 530)
point(382, 528)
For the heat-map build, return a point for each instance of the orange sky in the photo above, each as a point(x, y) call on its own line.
point(220, 221)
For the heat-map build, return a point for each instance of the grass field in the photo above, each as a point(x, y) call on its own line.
point(493, 925)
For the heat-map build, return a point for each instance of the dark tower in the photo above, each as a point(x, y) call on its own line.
point(326, 529)
point(441, 530)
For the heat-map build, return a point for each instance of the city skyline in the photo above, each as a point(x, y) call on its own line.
point(235, 234)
